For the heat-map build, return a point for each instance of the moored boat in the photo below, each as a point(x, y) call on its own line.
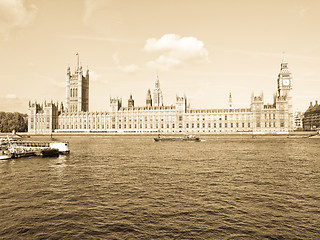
point(185, 138)
point(4, 155)
point(13, 148)
point(36, 146)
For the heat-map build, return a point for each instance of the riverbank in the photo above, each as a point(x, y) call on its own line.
point(300, 134)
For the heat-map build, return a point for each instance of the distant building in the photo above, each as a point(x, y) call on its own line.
point(311, 118)
point(155, 117)
point(298, 121)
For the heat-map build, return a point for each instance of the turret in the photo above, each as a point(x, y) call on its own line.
point(230, 104)
point(149, 99)
point(130, 102)
point(115, 104)
point(181, 103)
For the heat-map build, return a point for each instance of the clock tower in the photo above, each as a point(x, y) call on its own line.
point(284, 96)
point(284, 80)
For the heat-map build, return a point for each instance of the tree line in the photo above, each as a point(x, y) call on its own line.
point(13, 121)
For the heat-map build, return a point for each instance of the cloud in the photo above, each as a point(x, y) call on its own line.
point(91, 6)
point(103, 17)
point(129, 68)
point(15, 14)
point(97, 38)
point(11, 96)
point(12, 103)
point(175, 51)
point(116, 58)
point(94, 77)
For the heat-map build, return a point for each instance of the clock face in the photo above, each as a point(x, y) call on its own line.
point(286, 82)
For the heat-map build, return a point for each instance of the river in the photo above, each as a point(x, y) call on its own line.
point(130, 187)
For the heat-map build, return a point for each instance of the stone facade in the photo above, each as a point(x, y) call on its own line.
point(311, 118)
point(43, 118)
point(77, 90)
point(155, 117)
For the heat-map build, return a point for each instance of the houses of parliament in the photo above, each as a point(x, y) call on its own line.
point(155, 117)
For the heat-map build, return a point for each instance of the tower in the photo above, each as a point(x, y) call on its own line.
point(130, 102)
point(284, 84)
point(284, 81)
point(149, 99)
point(157, 94)
point(230, 104)
point(115, 104)
point(77, 89)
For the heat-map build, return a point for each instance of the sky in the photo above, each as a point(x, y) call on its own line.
point(203, 49)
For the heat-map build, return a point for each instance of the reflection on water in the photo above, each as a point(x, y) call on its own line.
point(131, 187)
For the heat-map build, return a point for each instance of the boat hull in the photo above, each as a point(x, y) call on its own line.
point(176, 139)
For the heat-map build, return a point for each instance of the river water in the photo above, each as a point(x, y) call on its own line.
point(129, 187)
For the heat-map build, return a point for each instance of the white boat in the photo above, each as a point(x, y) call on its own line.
point(27, 146)
point(4, 155)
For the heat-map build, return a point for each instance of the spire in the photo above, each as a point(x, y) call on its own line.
point(284, 60)
point(230, 101)
point(78, 62)
point(284, 63)
point(157, 84)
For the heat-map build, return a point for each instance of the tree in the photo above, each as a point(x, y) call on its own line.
point(13, 121)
